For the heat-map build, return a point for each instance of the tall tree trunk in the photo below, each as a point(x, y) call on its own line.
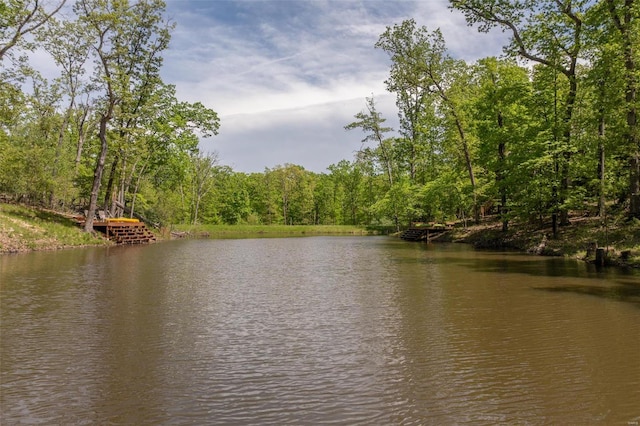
point(565, 182)
point(465, 148)
point(195, 211)
point(97, 174)
point(502, 187)
point(108, 193)
point(134, 192)
point(601, 154)
point(284, 207)
point(554, 198)
point(467, 159)
point(634, 185)
point(623, 21)
point(82, 132)
point(601, 170)
point(118, 204)
point(58, 153)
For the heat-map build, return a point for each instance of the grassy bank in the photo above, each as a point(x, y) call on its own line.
point(26, 229)
point(230, 231)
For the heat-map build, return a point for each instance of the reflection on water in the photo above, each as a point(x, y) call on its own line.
point(342, 330)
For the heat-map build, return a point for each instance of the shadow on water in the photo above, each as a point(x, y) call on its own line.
point(519, 263)
point(622, 285)
point(624, 293)
point(621, 289)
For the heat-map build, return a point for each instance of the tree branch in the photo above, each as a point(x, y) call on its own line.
point(23, 28)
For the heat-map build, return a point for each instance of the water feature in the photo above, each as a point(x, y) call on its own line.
point(318, 330)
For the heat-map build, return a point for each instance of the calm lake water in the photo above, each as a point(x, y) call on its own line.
point(318, 330)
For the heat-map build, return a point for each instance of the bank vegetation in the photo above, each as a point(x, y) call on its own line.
point(27, 229)
point(540, 138)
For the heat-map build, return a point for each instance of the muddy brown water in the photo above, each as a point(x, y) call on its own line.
point(318, 330)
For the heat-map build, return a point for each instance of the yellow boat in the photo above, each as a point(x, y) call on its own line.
point(122, 219)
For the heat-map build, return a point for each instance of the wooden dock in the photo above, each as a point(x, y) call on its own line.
point(125, 232)
point(122, 230)
point(424, 233)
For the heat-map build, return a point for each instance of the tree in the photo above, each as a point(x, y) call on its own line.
point(324, 206)
point(69, 49)
point(202, 179)
point(385, 153)
point(550, 33)
point(348, 181)
point(290, 189)
point(372, 123)
point(161, 127)
point(264, 194)
point(232, 197)
point(20, 18)
point(624, 15)
point(420, 58)
point(126, 40)
point(406, 80)
point(501, 120)
point(606, 81)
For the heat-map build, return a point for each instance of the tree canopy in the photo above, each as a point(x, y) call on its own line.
point(547, 129)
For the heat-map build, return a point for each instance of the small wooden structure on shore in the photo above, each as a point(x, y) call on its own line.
point(425, 232)
point(123, 230)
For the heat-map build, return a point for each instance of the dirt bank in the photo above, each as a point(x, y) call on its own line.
point(25, 229)
point(620, 239)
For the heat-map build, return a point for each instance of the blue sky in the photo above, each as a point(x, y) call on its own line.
point(286, 76)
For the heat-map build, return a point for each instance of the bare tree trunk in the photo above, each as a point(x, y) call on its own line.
point(195, 213)
point(82, 132)
point(565, 182)
point(97, 175)
point(501, 184)
point(623, 21)
point(467, 159)
point(109, 190)
point(634, 185)
point(182, 201)
point(465, 149)
point(601, 176)
point(135, 190)
point(601, 164)
point(58, 153)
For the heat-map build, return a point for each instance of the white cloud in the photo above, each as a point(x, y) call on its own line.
point(286, 76)
point(313, 137)
point(311, 60)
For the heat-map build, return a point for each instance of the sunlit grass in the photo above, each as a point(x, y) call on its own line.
point(273, 230)
point(23, 229)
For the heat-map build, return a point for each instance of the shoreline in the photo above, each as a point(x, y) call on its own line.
point(619, 240)
point(26, 229)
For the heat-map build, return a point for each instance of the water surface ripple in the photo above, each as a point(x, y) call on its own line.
point(322, 330)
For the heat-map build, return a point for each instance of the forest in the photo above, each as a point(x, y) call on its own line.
point(545, 131)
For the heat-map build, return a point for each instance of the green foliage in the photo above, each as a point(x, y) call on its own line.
point(445, 198)
point(525, 142)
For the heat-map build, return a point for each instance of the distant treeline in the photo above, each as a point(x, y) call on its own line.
point(549, 128)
